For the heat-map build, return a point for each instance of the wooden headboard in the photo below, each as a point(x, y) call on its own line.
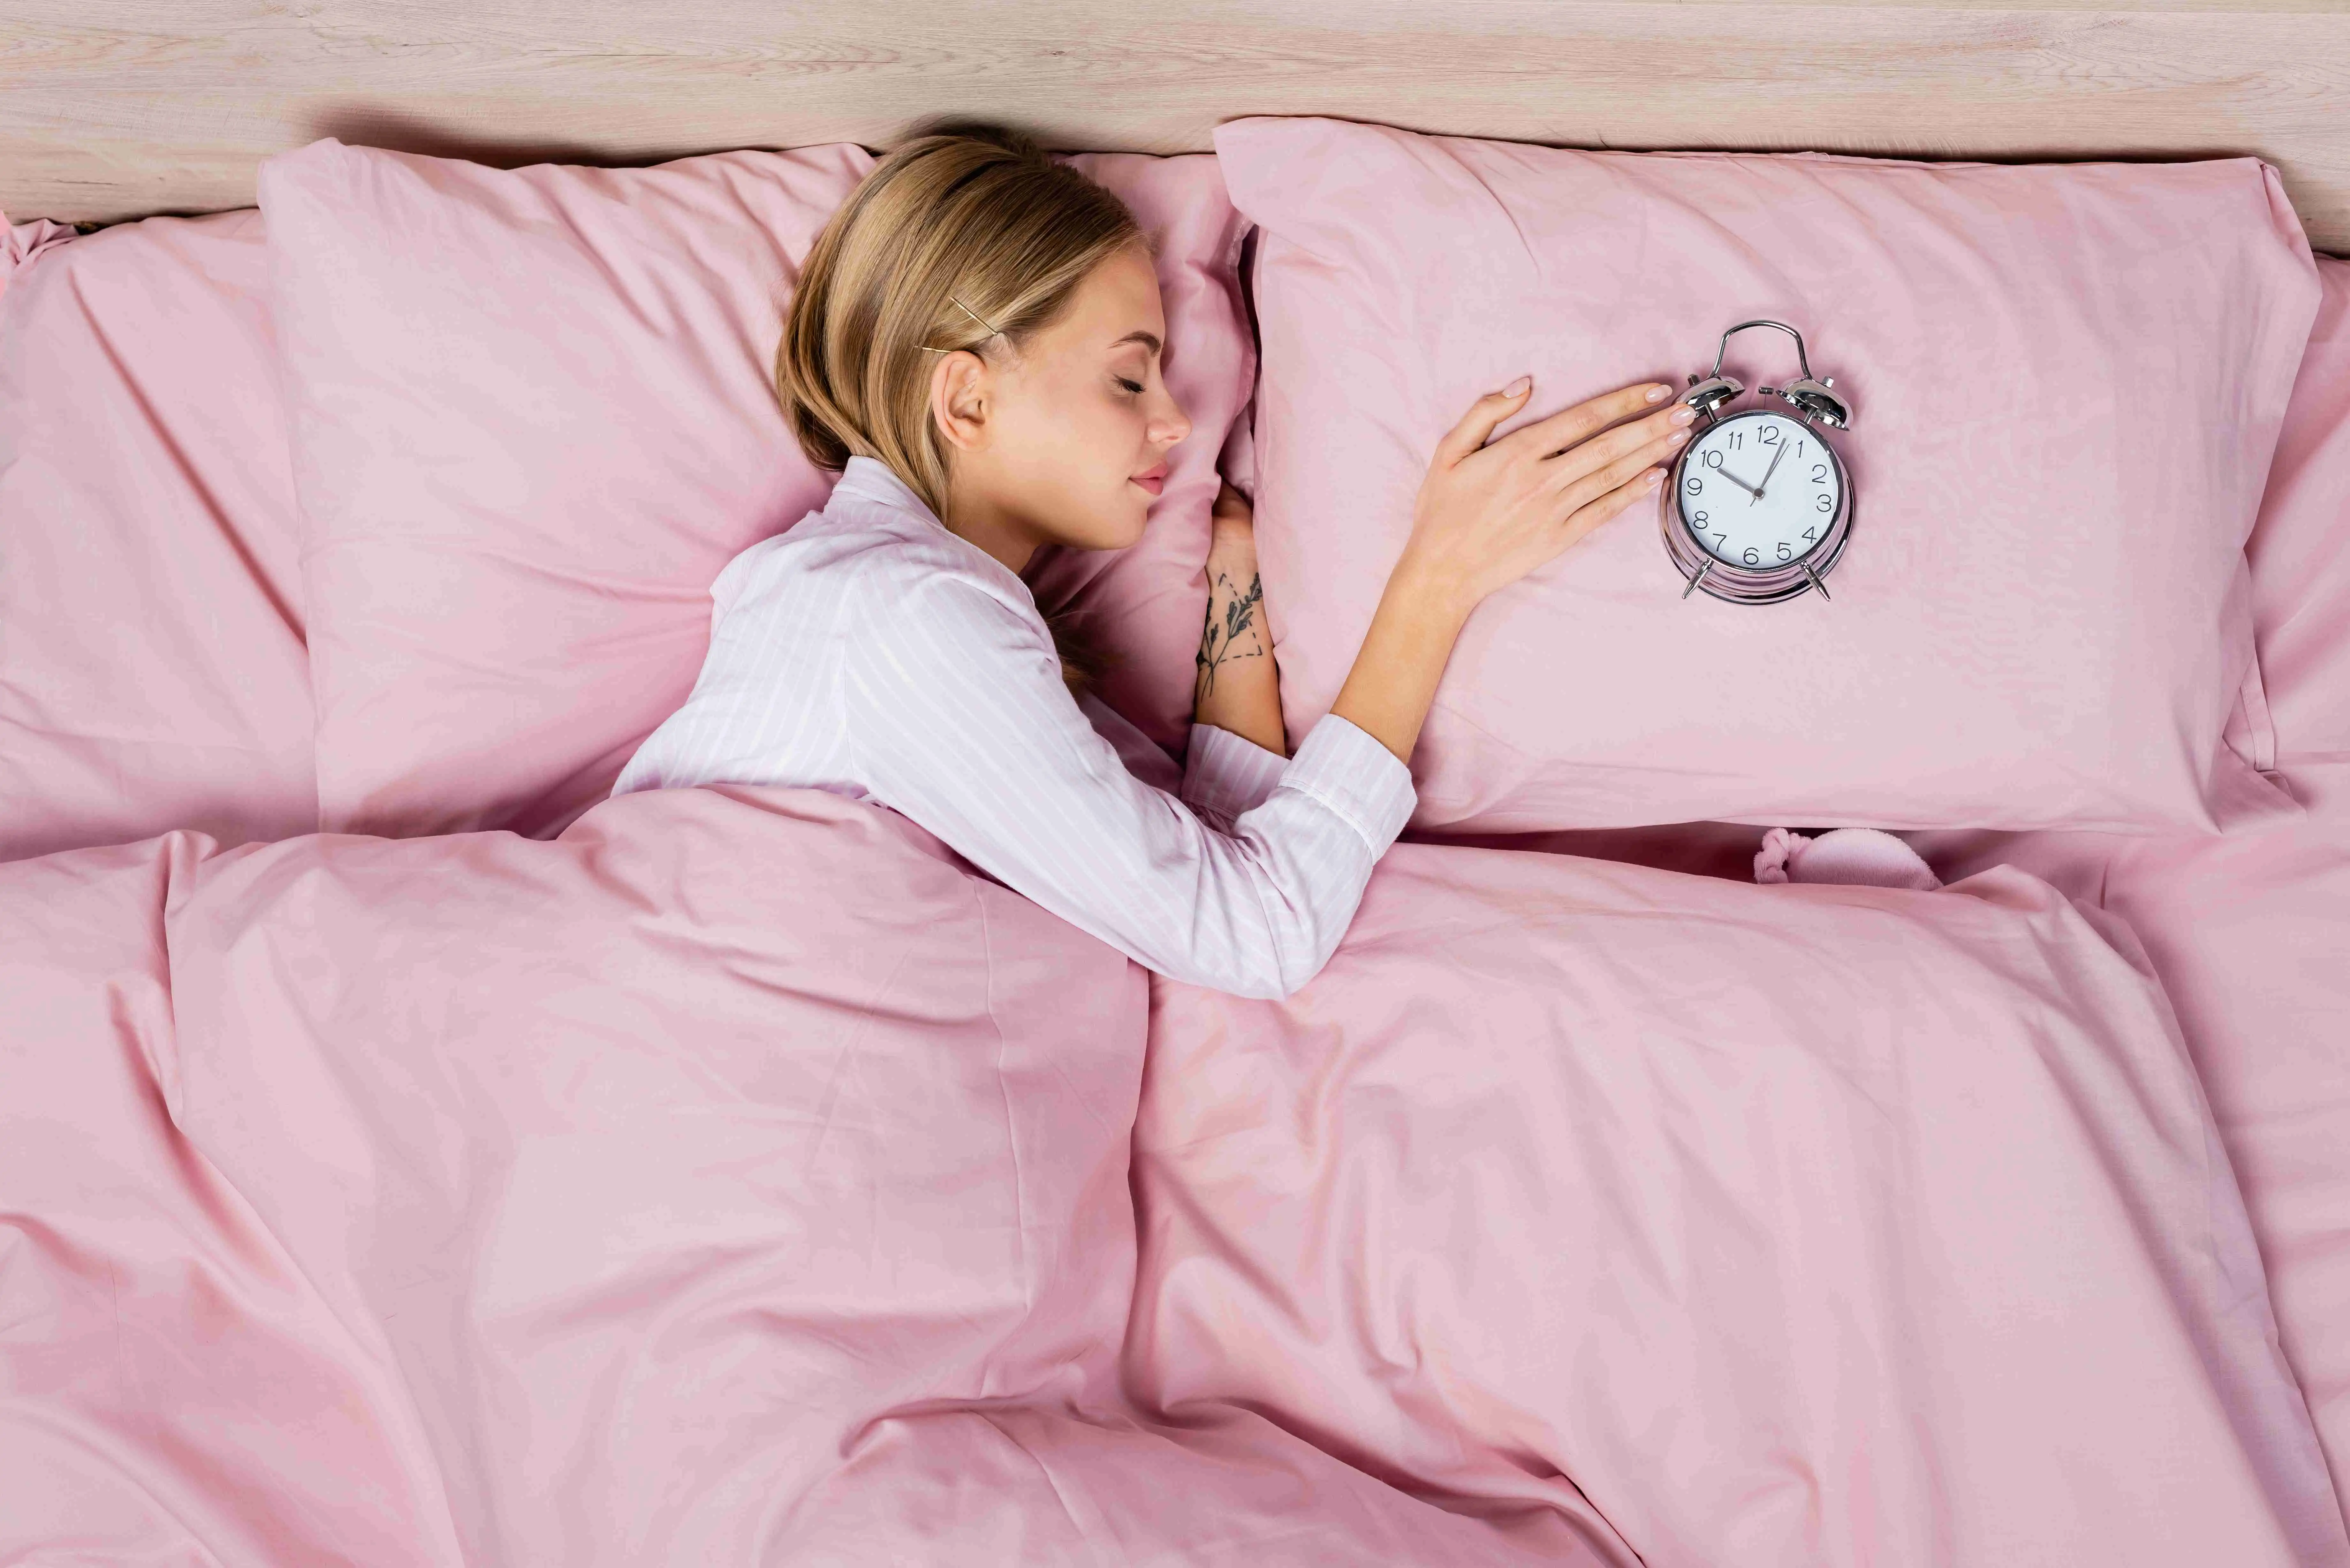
point(115, 109)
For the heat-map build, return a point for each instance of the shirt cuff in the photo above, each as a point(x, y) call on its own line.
point(1355, 776)
point(1225, 774)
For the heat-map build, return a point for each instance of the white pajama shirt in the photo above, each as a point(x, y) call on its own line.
point(871, 652)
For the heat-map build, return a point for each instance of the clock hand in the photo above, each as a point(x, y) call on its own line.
point(1741, 484)
point(1769, 470)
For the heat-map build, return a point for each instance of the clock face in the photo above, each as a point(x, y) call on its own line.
point(1759, 490)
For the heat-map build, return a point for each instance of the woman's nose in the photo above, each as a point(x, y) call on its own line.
point(1172, 425)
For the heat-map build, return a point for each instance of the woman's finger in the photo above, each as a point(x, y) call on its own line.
point(1642, 486)
point(1568, 426)
point(1621, 469)
point(1608, 448)
point(1478, 423)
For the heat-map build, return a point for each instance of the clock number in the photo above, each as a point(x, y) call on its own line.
point(1696, 486)
point(1769, 435)
point(1737, 438)
point(1810, 534)
point(1714, 457)
point(1799, 449)
point(1783, 551)
point(1819, 474)
point(1827, 502)
point(1752, 555)
point(1699, 518)
point(1722, 540)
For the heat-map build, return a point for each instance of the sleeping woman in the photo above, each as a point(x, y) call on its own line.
point(975, 346)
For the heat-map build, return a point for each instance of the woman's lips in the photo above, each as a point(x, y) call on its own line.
point(1153, 480)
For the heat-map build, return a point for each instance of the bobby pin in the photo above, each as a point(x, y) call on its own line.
point(992, 331)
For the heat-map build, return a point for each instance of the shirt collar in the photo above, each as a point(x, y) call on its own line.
point(870, 480)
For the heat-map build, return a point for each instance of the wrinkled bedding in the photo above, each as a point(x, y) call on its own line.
point(1769, 1225)
point(738, 1178)
point(2248, 936)
point(739, 1172)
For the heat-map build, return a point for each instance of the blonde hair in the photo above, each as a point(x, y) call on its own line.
point(952, 238)
point(960, 235)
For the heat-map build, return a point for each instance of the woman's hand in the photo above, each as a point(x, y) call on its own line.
point(1487, 515)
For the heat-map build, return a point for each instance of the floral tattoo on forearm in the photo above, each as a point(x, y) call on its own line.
point(1231, 636)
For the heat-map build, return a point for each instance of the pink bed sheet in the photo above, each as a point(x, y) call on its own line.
point(153, 668)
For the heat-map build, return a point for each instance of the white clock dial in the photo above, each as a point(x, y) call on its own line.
point(1760, 490)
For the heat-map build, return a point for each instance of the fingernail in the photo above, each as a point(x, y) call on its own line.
point(1677, 438)
point(1656, 477)
point(1656, 394)
point(1518, 388)
point(1682, 416)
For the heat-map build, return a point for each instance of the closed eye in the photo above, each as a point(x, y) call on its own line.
point(1134, 389)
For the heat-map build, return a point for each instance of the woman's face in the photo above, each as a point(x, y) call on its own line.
point(1063, 440)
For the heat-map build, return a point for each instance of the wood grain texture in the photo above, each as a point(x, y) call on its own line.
point(111, 109)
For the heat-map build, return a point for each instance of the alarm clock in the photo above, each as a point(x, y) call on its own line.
point(1760, 507)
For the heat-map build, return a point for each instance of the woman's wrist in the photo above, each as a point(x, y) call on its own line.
point(1432, 589)
point(1237, 685)
point(1233, 546)
point(1396, 671)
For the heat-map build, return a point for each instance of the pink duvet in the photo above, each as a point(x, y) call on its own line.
point(1757, 1225)
point(737, 1178)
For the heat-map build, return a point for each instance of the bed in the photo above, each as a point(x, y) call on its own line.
point(468, 1184)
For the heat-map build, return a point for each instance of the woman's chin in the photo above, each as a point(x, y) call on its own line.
point(1127, 529)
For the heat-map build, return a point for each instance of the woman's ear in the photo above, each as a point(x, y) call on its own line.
point(961, 384)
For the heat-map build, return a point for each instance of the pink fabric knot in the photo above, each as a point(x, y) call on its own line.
point(1771, 860)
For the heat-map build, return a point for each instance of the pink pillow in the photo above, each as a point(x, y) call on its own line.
point(531, 421)
point(2068, 382)
point(1145, 605)
point(532, 418)
point(2301, 550)
point(153, 673)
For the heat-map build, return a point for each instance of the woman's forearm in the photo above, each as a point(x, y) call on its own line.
point(1237, 686)
point(1394, 678)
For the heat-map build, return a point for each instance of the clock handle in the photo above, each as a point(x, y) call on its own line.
point(1813, 398)
point(1800, 357)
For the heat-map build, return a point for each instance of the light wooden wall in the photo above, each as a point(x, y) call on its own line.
point(117, 107)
